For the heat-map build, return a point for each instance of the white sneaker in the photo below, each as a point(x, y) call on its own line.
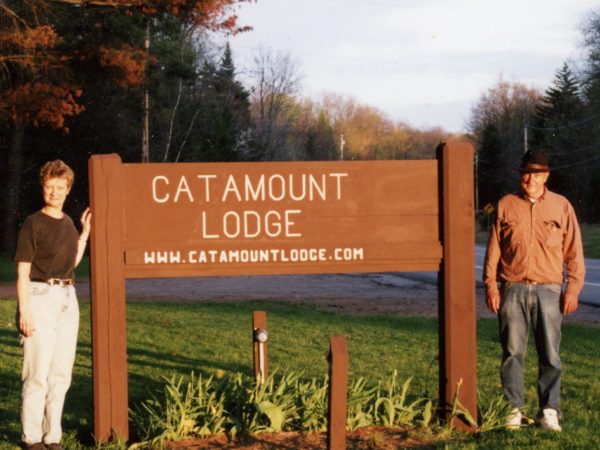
point(549, 420)
point(513, 420)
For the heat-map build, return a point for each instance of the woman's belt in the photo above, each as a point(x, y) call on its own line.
point(56, 281)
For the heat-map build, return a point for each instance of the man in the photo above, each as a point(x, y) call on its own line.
point(534, 237)
point(48, 250)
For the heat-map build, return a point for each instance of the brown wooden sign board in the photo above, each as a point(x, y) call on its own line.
point(223, 219)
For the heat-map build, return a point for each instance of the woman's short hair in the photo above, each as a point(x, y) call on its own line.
point(56, 169)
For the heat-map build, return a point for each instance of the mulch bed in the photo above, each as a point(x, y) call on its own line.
point(364, 438)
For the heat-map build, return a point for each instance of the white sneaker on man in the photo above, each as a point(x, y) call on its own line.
point(549, 420)
point(513, 420)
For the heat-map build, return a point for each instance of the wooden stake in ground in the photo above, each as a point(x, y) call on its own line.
point(338, 393)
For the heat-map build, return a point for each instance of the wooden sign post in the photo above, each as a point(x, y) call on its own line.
point(221, 219)
point(338, 392)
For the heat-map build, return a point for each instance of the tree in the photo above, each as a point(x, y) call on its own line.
point(275, 82)
point(46, 57)
point(591, 94)
point(369, 134)
point(558, 128)
point(31, 92)
point(497, 123)
point(228, 108)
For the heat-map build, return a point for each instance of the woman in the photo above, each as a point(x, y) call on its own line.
point(48, 250)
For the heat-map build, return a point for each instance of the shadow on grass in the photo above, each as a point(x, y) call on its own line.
point(10, 413)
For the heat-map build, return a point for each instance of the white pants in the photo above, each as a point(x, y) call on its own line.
point(48, 357)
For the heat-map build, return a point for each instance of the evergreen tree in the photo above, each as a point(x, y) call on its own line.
point(224, 114)
point(591, 93)
point(559, 128)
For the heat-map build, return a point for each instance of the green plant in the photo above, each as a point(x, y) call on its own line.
point(392, 407)
point(495, 415)
point(360, 405)
point(274, 402)
point(312, 404)
point(189, 409)
point(458, 409)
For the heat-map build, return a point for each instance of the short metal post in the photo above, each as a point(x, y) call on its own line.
point(338, 392)
point(260, 337)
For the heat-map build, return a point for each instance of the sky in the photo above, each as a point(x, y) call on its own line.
point(423, 62)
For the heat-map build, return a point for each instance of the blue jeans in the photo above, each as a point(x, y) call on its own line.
point(536, 305)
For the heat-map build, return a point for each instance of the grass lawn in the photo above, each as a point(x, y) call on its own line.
point(166, 339)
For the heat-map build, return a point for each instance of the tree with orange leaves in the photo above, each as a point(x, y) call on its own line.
point(38, 81)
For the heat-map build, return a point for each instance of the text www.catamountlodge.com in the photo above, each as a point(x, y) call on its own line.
point(253, 256)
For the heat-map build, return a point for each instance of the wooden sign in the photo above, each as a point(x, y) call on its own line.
point(200, 219)
point(248, 218)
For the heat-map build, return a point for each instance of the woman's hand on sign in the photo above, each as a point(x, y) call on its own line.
point(86, 223)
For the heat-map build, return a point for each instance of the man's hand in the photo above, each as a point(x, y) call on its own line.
point(570, 303)
point(493, 301)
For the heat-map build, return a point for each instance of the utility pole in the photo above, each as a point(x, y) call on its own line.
point(525, 138)
point(146, 100)
point(476, 183)
point(342, 143)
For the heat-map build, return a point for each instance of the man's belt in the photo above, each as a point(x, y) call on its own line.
point(56, 281)
point(533, 282)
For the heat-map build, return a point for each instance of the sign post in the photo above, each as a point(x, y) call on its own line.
point(220, 219)
point(338, 393)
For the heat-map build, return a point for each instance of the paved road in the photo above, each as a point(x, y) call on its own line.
point(591, 290)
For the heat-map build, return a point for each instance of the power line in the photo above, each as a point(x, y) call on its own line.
point(562, 127)
point(574, 152)
point(578, 163)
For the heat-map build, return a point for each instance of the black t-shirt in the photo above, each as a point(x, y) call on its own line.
point(49, 244)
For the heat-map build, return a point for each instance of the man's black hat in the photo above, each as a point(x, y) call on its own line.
point(535, 161)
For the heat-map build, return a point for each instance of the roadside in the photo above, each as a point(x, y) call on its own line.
point(361, 294)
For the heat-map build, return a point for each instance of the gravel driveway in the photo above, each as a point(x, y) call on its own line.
point(348, 293)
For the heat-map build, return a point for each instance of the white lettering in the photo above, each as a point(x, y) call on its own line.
point(281, 195)
point(165, 198)
point(183, 187)
point(223, 257)
point(231, 187)
point(234, 256)
point(321, 190)
point(289, 223)
point(303, 184)
point(205, 233)
point(236, 225)
point(247, 232)
point(273, 225)
point(206, 179)
point(257, 194)
point(339, 183)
